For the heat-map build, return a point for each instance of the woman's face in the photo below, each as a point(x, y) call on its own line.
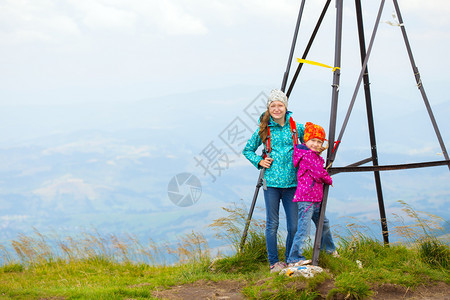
point(277, 110)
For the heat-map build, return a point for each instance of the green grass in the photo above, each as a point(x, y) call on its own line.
point(92, 266)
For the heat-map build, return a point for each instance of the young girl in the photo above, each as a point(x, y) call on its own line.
point(280, 172)
point(311, 176)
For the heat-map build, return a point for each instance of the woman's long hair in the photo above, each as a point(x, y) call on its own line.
point(263, 126)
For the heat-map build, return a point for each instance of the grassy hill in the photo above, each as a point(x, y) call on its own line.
point(106, 267)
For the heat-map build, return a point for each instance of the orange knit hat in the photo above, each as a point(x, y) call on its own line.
point(313, 131)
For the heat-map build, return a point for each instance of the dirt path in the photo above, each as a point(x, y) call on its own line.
point(231, 290)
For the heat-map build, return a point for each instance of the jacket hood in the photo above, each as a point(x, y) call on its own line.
point(302, 147)
point(302, 150)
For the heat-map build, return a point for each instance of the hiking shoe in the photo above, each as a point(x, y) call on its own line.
point(335, 254)
point(300, 263)
point(277, 267)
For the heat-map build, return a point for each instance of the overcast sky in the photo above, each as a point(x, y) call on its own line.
point(58, 52)
point(68, 51)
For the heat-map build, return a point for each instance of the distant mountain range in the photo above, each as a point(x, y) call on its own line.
point(71, 168)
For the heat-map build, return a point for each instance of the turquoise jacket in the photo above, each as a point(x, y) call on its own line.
point(282, 173)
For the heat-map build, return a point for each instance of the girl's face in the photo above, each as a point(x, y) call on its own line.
point(277, 110)
point(314, 144)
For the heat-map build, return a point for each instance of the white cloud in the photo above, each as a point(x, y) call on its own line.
point(86, 146)
point(104, 15)
point(434, 12)
point(68, 185)
point(427, 150)
point(174, 20)
point(135, 153)
point(146, 17)
point(138, 48)
point(277, 10)
point(30, 21)
point(50, 21)
point(8, 220)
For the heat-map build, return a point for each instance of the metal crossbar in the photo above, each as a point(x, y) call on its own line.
point(350, 168)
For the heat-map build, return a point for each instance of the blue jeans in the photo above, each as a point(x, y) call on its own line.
point(306, 212)
point(272, 197)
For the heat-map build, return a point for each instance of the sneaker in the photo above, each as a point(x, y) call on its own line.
point(335, 254)
point(300, 263)
point(277, 267)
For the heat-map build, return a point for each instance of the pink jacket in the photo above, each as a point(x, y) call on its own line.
point(310, 176)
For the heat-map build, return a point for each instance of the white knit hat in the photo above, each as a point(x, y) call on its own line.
point(277, 95)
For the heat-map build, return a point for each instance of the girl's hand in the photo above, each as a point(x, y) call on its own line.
point(265, 163)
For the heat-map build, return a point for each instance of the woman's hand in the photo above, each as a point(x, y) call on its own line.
point(265, 163)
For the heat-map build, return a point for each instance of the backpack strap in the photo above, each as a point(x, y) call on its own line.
point(294, 131)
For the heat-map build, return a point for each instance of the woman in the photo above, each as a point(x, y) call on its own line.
point(280, 174)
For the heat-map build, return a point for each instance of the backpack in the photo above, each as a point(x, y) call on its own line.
point(268, 147)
